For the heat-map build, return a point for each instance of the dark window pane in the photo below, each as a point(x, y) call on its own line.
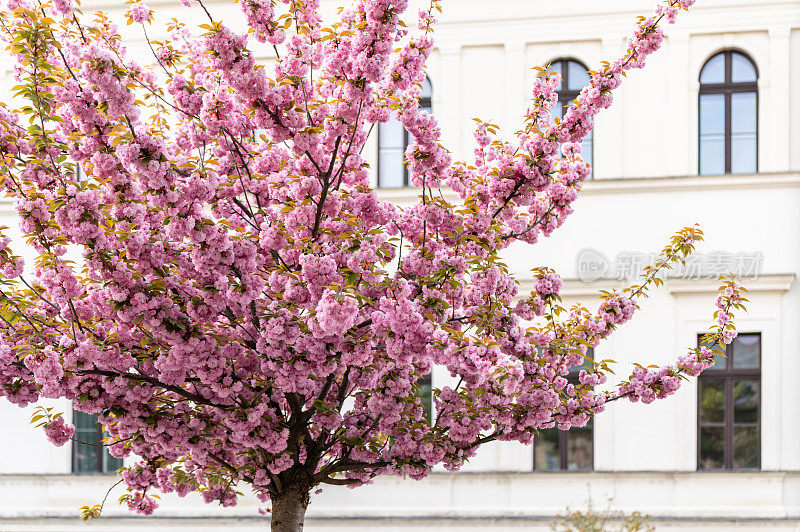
point(719, 358)
point(547, 452)
point(746, 447)
point(425, 394)
point(714, 70)
point(578, 77)
point(712, 448)
point(84, 458)
point(747, 351)
point(89, 437)
point(85, 453)
point(712, 114)
point(712, 401)
point(110, 464)
point(88, 453)
point(741, 69)
point(579, 449)
point(745, 401)
point(84, 421)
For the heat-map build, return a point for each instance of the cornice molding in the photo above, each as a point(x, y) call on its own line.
point(762, 284)
point(644, 185)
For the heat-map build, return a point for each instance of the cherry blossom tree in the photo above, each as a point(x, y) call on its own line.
point(216, 278)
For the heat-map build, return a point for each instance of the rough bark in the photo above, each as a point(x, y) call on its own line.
point(289, 510)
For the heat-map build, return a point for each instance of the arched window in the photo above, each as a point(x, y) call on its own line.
point(392, 143)
point(574, 77)
point(728, 110)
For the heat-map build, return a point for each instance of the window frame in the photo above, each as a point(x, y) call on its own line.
point(424, 102)
point(405, 166)
point(566, 96)
point(727, 88)
point(563, 451)
point(563, 435)
point(728, 375)
point(100, 454)
point(425, 393)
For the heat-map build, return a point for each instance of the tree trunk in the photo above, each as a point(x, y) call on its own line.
point(289, 510)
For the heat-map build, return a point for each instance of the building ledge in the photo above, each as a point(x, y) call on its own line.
point(722, 496)
point(781, 282)
point(639, 185)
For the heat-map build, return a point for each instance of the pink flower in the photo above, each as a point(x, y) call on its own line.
point(336, 313)
point(142, 504)
point(62, 7)
point(728, 336)
point(140, 13)
point(59, 432)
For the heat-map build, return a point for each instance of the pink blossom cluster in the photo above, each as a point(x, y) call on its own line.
point(62, 7)
point(548, 284)
point(59, 432)
point(245, 308)
point(260, 18)
point(140, 13)
point(141, 503)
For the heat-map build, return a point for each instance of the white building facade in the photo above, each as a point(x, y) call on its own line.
point(708, 133)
